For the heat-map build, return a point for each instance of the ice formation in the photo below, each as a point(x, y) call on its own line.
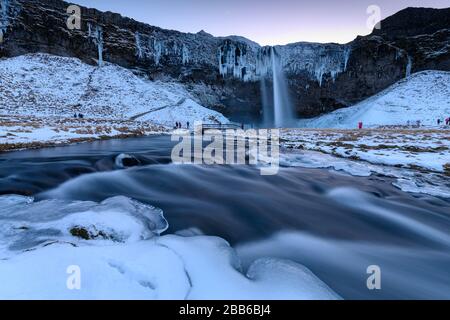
point(97, 37)
point(150, 48)
point(233, 61)
point(4, 15)
point(139, 50)
point(318, 60)
point(27, 224)
point(116, 247)
point(8, 10)
point(158, 46)
point(325, 60)
point(185, 54)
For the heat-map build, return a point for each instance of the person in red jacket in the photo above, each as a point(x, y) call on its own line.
point(360, 125)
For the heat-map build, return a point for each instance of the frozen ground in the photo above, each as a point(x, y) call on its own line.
point(116, 249)
point(418, 159)
point(423, 97)
point(426, 150)
point(24, 132)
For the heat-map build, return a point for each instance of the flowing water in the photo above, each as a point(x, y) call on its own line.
point(335, 224)
point(277, 106)
point(283, 111)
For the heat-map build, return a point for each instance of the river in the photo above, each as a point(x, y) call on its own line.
point(333, 223)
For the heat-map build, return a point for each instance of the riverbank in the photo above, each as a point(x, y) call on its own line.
point(28, 132)
point(425, 150)
point(421, 149)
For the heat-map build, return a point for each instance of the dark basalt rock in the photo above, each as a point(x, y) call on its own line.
point(85, 234)
point(224, 73)
point(412, 22)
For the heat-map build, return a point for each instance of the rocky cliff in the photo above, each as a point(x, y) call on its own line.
point(225, 73)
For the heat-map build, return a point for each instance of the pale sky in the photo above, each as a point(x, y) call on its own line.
point(268, 22)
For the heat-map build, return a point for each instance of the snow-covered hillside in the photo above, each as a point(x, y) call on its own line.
point(424, 97)
point(46, 85)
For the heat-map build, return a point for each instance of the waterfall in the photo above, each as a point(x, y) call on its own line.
point(267, 102)
point(139, 50)
point(277, 107)
point(99, 38)
point(282, 114)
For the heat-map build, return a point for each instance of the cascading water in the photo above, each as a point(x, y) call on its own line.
point(267, 102)
point(278, 110)
point(283, 115)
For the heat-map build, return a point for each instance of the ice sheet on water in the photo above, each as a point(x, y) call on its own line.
point(286, 275)
point(312, 159)
point(419, 186)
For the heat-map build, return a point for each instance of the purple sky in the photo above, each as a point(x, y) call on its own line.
point(267, 22)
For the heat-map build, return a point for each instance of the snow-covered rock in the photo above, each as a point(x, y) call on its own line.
point(46, 85)
point(27, 224)
point(423, 97)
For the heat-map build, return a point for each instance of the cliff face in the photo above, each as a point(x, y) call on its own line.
point(224, 73)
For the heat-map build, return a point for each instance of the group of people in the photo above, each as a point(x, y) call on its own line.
point(78, 115)
point(447, 121)
point(416, 123)
point(439, 121)
point(178, 125)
